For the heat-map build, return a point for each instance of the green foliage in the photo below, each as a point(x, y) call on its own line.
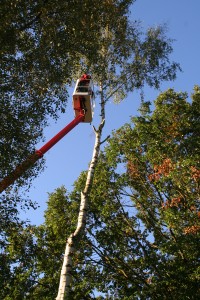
point(142, 58)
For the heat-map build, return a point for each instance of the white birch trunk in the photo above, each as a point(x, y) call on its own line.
point(72, 241)
point(65, 276)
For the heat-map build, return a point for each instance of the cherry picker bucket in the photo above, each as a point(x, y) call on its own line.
point(83, 97)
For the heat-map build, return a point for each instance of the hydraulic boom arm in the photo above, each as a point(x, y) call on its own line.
point(30, 161)
point(82, 104)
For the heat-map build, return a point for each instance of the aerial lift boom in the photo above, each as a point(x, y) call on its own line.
point(82, 104)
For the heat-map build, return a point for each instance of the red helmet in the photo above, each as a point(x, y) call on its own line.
point(85, 76)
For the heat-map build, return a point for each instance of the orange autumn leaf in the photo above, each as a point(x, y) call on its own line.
point(191, 229)
point(195, 173)
point(164, 169)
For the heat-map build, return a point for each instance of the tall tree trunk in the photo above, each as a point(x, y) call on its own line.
point(74, 238)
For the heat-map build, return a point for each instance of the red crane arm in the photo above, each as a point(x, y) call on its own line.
point(60, 135)
point(19, 171)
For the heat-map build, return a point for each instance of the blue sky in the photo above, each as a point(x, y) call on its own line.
point(70, 156)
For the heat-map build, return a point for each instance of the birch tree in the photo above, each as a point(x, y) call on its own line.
point(119, 75)
point(74, 239)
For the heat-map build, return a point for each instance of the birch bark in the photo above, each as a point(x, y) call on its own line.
point(74, 238)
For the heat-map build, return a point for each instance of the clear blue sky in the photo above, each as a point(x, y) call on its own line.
point(70, 156)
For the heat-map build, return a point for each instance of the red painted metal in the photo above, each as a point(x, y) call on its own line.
point(29, 162)
point(60, 135)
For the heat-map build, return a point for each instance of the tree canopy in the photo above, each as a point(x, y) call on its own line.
point(42, 44)
point(142, 233)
